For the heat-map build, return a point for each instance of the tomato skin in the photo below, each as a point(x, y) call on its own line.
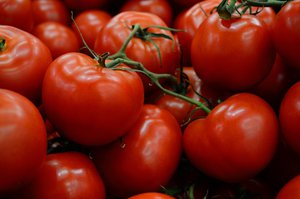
point(148, 155)
point(59, 38)
point(111, 37)
point(89, 23)
point(289, 114)
point(189, 20)
point(287, 23)
point(23, 141)
point(67, 175)
point(161, 8)
point(290, 190)
point(90, 104)
point(235, 141)
point(232, 54)
point(50, 10)
point(151, 195)
point(17, 13)
point(23, 62)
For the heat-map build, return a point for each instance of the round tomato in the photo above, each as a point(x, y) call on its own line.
point(286, 33)
point(111, 37)
point(161, 8)
point(59, 38)
point(151, 195)
point(66, 175)
point(50, 10)
point(90, 104)
point(290, 190)
point(24, 60)
point(23, 141)
point(145, 158)
point(289, 115)
point(235, 141)
point(232, 54)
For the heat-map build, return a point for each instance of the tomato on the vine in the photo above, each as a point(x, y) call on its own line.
point(151, 195)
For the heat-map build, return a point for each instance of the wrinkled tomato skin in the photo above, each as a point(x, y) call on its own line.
point(148, 155)
point(68, 175)
point(289, 115)
point(50, 10)
point(59, 38)
point(229, 65)
point(23, 141)
point(285, 33)
point(290, 190)
point(89, 104)
point(151, 195)
point(23, 62)
point(111, 37)
point(235, 141)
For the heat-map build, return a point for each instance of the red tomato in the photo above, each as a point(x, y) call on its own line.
point(24, 60)
point(161, 8)
point(235, 141)
point(286, 33)
point(111, 37)
point(289, 116)
point(266, 14)
point(89, 23)
point(59, 38)
point(81, 5)
point(232, 54)
point(90, 104)
point(67, 175)
point(290, 190)
point(145, 158)
point(151, 195)
point(50, 10)
point(23, 141)
point(189, 20)
point(17, 13)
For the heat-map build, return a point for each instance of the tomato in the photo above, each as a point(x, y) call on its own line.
point(161, 8)
point(289, 114)
point(189, 20)
point(266, 14)
point(50, 10)
point(287, 23)
point(290, 190)
point(235, 141)
point(111, 37)
point(90, 104)
point(23, 141)
point(232, 54)
point(66, 175)
point(59, 38)
point(81, 5)
point(17, 13)
point(145, 158)
point(151, 195)
point(24, 60)
point(89, 23)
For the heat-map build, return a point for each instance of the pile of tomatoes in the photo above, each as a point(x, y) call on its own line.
point(145, 99)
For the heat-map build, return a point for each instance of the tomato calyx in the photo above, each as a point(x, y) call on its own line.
point(2, 44)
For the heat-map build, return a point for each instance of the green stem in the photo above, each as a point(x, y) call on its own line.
point(268, 3)
point(2, 44)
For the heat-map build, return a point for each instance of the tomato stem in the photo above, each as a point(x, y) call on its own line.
point(2, 44)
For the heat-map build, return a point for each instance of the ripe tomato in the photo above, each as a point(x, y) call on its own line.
point(23, 141)
point(189, 20)
point(24, 60)
point(145, 158)
point(161, 8)
point(17, 13)
point(67, 175)
point(287, 23)
point(289, 115)
point(50, 10)
point(151, 195)
point(111, 37)
point(232, 54)
point(89, 104)
point(290, 190)
point(89, 23)
point(235, 141)
point(59, 38)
